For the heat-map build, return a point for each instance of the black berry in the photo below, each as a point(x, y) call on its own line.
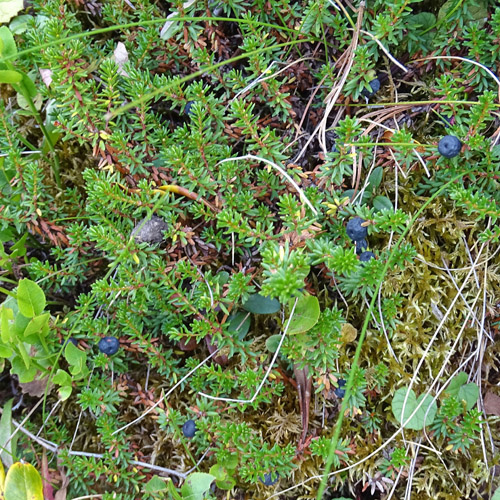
point(449, 146)
point(355, 230)
point(366, 256)
point(109, 345)
point(340, 391)
point(189, 429)
point(375, 86)
point(361, 246)
point(267, 479)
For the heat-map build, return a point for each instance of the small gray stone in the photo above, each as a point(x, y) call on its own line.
point(151, 230)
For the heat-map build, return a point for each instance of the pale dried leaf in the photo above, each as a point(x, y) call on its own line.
point(46, 75)
point(9, 9)
point(349, 333)
point(35, 388)
point(120, 56)
point(492, 404)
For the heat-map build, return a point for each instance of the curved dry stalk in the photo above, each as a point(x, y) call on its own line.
point(299, 190)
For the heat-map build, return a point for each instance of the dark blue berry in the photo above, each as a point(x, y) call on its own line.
point(109, 345)
point(267, 479)
point(449, 146)
point(355, 230)
point(366, 256)
point(375, 86)
point(189, 429)
point(340, 391)
point(72, 340)
point(361, 246)
point(187, 110)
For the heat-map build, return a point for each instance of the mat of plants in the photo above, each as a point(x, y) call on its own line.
point(249, 249)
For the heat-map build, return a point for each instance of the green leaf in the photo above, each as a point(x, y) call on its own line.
point(20, 324)
point(65, 392)
point(477, 12)
point(272, 342)
point(19, 24)
point(196, 485)
point(6, 328)
point(496, 495)
point(231, 462)
point(76, 358)
point(155, 485)
point(24, 354)
point(382, 203)
point(10, 76)
point(62, 378)
point(350, 193)
point(469, 393)
point(29, 87)
point(5, 351)
point(306, 314)
point(23, 482)
point(38, 324)
point(30, 298)
point(9, 8)
point(7, 445)
point(455, 383)
point(239, 322)
point(218, 471)
point(375, 178)
point(8, 45)
point(417, 421)
point(226, 484)
point(25, 374)
point(422, 20)
point(464, 392)
point(258, 304)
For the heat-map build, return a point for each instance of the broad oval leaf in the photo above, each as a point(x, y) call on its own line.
point(375, 178)
point(306, 314)
point(272, 342)
point(258, 304)
point(240, 323)
point(7, 43)
point(469, 393)
point(76, 358)
point(455, 383)
point(196, 485)
point(417, 421)
point(10, 76)
point(30, 298)
point(23, 482)
point(463, 391)
point(7, 445)
point(422, 20)
point(382, 203)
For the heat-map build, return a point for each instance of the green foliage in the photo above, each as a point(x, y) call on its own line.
point(184, 128)
point(412, 412)
point(21, 481)
point(284, 271)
